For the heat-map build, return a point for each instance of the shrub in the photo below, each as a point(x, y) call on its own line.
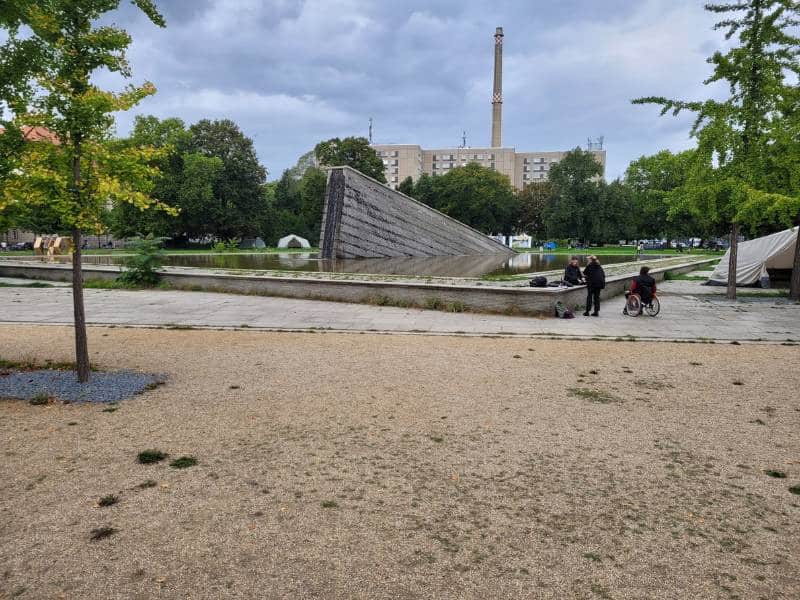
point(142, 268)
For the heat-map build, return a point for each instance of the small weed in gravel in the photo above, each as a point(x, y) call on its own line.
point(330, 504)
point(593, 556)
point(147, 483)
point(233, 387)
point(594, 395)
point(695, 364)
point(775, 474)
point(148, 457)
point(72, 423)
point(102, 532)
point(109, 500)
point(795, 489)
point(517, 356)
point(184, 462)
point(758, 422)
point(40, 399)
point(437, 439)
point(738, 382)
point(111, 408)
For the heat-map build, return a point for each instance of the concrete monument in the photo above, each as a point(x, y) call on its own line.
point(362, 218)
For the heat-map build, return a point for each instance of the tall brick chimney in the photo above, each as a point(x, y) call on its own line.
point(497, 95)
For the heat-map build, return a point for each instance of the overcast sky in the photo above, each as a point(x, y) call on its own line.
point(294, 72)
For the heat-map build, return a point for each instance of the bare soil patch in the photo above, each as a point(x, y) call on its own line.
point(372, 466)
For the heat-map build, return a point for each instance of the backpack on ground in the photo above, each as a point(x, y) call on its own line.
point(563, 311)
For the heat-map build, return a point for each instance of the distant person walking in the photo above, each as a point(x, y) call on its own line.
point(595, 281)
point(640, 248)
point(572, 274)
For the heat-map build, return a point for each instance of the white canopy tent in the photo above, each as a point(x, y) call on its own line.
point(293, 241)
point(753, 258)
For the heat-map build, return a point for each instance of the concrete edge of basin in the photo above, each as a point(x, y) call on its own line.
point(455, 298)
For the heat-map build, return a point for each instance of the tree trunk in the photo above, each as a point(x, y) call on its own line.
point(731, 295)
point(794, 286)
point(81, 345)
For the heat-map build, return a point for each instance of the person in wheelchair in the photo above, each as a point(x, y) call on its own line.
point(643, 285)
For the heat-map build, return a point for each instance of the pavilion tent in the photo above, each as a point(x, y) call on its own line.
point(754, 257)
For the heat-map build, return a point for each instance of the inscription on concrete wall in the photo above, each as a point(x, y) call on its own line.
point(363, 218)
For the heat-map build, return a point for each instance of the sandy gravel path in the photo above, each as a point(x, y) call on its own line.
point(371, 466)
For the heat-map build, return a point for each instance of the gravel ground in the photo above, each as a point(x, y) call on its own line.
point(370, 466)
point(64, 385)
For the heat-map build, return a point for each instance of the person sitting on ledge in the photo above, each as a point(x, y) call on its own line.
point(572, 274)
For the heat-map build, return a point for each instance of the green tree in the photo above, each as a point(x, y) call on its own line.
point(533, 200)
point(477, 196)
point(406, 186)
point(575, 203)
point(656, 183)
point(46, 65)
point(730, 179)
point(169, 135)
point(237, 203)
point(352, 152)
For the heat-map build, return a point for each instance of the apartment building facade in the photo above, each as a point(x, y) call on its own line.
point(409, 160)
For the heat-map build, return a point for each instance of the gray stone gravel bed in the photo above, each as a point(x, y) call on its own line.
point(110, 386)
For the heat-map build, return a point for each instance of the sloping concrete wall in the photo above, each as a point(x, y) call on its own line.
point(363, 218)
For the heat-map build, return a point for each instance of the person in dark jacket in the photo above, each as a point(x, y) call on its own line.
point(595, 281)
point(644, 285)
point(572, 274)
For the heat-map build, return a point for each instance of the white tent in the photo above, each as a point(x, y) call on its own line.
point(293, 241)
point(753, 258)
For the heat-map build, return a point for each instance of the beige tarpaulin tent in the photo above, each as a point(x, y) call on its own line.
point(753, 258)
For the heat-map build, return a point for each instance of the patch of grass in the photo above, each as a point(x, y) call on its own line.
point(108, 284)
point(148, 457)
point(795, 489)
point(517, 356)
point(111, 408)
point(147, 483)
point(695, 364)
point(443, 305)
point(40, 399)
point(72, 423)
point(598, 396)
point(34, 284)
point(437, 439)
point(109, 500)
point(593, 556)
point(233, 387)
point(738, 382)
point(669, 276)
point(102, 532)
point(775, 474)
point(184, 462)
point(330, 504)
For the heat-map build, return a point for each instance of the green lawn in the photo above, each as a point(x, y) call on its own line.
point(622, 250)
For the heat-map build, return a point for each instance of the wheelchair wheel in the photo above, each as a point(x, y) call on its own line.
point(653, 308)
point(634, 305)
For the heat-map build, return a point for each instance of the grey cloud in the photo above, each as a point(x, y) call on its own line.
point(293, 72)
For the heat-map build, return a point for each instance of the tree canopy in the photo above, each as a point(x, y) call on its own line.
point(353, 152)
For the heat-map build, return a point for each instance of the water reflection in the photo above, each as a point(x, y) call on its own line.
point(437, 266)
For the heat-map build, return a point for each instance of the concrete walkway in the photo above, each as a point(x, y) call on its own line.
point(689, 311)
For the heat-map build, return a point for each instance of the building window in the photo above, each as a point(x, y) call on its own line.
point(396, 153)
point(492, 156)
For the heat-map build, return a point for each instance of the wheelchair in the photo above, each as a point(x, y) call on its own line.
point(634, 306)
